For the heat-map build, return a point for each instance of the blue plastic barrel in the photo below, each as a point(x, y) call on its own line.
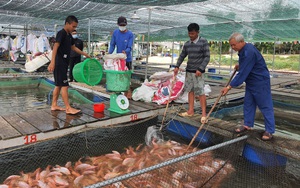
point(188, 131)
point(263, 157)
point(212, 70)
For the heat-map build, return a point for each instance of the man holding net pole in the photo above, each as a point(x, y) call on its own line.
point(254, 72)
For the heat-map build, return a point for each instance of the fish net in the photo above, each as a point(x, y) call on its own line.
point(29, 164)
point(171, 164)
point(112, 157)
point(117, 157)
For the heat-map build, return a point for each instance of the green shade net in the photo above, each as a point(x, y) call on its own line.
point(166, 20)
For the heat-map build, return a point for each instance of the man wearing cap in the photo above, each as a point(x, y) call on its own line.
point(122, 38)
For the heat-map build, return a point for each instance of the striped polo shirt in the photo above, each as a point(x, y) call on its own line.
point(198, 55)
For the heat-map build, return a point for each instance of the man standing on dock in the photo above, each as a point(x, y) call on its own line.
point(197, 50)
point(64, 42)
point(122, 38)
point(253, 70)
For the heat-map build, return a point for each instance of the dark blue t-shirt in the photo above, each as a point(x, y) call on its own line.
point(66, 41)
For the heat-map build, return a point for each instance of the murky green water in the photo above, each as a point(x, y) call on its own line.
point(22, 100)
point(14, 99)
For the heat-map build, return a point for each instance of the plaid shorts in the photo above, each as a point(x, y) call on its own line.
point(194, 83)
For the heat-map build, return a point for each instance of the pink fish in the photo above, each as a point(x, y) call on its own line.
point(59, 181)
point(10, 178)
point(22, 184)
point(129, 161)
point(110, 175)
point(62, 170)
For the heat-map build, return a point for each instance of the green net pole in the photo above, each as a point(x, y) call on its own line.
point(9, 44)
point(273, 57)
point(172, 49)
point(220, 57)
point(148, 46)
point(231, 54)
point(89, 37)
point(299, 63)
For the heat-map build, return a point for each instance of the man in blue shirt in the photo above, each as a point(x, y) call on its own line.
point(254, 72)
point(122, 38)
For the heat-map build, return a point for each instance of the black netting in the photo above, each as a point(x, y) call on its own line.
point(118, 157)
point(73, 147)
point(170, 164)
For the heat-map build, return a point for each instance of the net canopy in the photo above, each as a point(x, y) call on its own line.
point(165, 20)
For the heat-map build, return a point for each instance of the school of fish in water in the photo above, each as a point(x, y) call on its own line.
point(191, 173)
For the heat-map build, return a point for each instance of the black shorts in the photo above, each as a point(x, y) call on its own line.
point(61, 72)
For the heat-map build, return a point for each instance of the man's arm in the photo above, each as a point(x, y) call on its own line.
point(245, 67)
point(112, 44)
point(130, 43)
point(77, 50)
point(181, 57)
point(54, 52)
point(206, 54)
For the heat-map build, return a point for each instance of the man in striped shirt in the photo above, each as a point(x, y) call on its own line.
point(197, 50)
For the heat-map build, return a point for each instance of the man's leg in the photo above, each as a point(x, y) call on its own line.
point(191, 99)
point(202, 99)
point(249, 109)
point(65, 97)
point(128, 93)
point(55, 94)
point(265, 105)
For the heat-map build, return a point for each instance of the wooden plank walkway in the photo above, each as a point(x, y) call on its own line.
point(281, 144)
point(38, 125)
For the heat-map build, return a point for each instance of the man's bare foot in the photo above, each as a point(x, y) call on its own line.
point(57, 108)
point(72, 111)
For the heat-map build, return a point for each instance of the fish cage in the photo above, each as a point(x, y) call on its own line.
point(117, 156)
point(54, 155)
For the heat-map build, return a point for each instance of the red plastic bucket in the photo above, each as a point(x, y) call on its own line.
point(99, 107)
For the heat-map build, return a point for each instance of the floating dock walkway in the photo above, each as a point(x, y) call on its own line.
point(33, 126)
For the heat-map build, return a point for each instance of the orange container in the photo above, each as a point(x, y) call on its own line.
point(99, 107)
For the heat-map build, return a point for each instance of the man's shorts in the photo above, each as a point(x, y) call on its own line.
point(61, 73)
point(194, 83)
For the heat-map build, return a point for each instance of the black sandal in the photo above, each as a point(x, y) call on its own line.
point(241, 129)
point(266, 136)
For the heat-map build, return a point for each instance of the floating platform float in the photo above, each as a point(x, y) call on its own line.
point(263, 157)
point(187, 131)
point(284, 147)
